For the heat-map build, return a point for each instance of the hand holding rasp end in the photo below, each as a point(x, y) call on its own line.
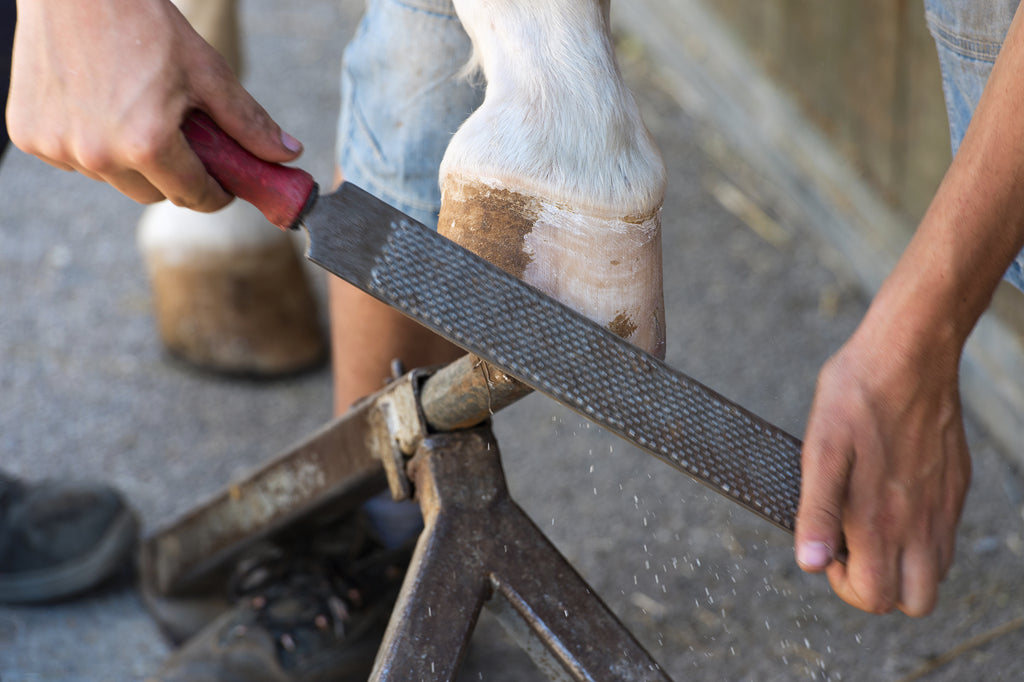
point(533, 337)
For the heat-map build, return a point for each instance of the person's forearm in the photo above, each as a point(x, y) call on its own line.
point(885, 465)
point(975, 224)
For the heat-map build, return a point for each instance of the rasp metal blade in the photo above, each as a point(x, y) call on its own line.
point(556, 351)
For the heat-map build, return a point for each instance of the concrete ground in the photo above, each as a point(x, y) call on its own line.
point(710, 590)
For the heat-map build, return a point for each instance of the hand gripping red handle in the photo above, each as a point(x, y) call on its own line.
point(280, 192)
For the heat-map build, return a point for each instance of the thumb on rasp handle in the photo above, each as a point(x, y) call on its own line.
point(281, 193)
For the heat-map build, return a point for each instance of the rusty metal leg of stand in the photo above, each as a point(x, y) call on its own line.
point(479, 547)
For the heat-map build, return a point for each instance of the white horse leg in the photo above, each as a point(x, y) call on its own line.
point(555, 177)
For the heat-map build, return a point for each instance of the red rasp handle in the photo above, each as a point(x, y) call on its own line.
point(280, 192)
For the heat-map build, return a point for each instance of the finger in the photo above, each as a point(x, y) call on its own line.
point(153, 160)
point(229, 104)
point(150, 161)
point(947, 552)
point(60, 165)
point(870, 580)
point(133, 185)
point(51, 153)
point(181, 177)
point(825, 471)
point(128, 182)
point(919, 582)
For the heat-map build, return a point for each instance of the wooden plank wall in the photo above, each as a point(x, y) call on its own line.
point(866, 73)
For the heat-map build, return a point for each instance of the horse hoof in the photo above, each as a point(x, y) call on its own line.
point(229, 291)
point(607, 268)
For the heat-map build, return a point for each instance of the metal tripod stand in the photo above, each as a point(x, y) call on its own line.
point(426, 436)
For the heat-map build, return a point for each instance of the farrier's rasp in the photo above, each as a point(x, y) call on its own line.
point(519, 329)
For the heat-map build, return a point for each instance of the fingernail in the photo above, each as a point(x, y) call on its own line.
point(813, 554)
point(290, 142)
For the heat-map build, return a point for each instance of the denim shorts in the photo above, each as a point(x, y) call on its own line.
point(968, 35)
point(402, 99)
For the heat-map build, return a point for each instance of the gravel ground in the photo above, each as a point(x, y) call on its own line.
point(710, 590)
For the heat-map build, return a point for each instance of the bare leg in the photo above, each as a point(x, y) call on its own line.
point(366, 336)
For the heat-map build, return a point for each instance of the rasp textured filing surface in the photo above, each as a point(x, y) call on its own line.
point(573, 360)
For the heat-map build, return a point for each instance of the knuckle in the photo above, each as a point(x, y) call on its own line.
point(202, 199)
point(826, 462)
point(143, 148)
point(881, 607)
point(95, 158)
point(51, 150)
point(253, 117)
point(215, 69)
point(20, 129)
point(21, 139)
point(871, 588)
point(217, 78)
point(822, 512)
point(878, 601)
point(818, 513)
point(27, 139)
point(191, 203)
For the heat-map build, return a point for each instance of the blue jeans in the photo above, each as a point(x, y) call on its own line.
point(402, 99)
point(968, 35)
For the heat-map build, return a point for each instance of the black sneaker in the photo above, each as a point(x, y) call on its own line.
point(58, 539)
point(303, 612)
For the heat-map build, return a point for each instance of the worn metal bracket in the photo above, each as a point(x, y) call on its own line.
point(397, 428)
point(479, 548)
